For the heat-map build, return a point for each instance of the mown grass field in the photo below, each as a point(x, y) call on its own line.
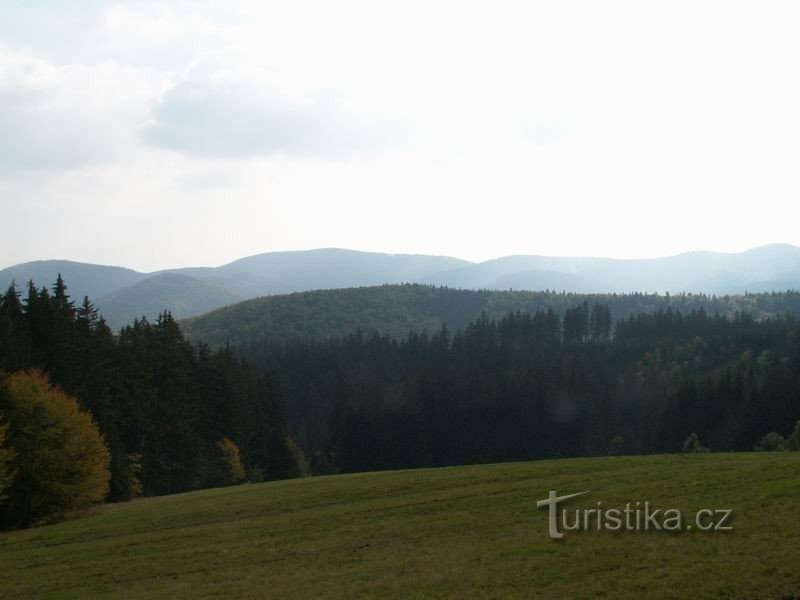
point(457, 532)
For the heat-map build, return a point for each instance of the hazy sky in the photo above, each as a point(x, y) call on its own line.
point(161, 134)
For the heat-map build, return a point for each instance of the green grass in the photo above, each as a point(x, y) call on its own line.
point(456, 532)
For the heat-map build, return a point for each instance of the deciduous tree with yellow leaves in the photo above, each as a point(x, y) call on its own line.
point(60, 460)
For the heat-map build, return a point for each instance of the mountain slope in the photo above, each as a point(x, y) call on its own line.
point(82, 279)
point(181, 295)
point(707, 272)
point(391, 309)
point(447, 533)
point(114, 290)
point(327, 268)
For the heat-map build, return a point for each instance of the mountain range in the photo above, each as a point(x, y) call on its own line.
point(123, 294)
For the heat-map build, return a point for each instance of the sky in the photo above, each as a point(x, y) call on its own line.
point(162, 134)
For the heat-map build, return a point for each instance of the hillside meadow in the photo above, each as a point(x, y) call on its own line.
point(452, 532)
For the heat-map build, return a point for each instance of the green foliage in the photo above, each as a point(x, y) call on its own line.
point(161, 402)
point(509, 376)
point(395, 310)
point(127, 484)
point(692, 445)
point(61, 460)
point(772, 442)
point(515, 389)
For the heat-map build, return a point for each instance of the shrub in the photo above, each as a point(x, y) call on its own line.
point(692, 445)
point(772, 442)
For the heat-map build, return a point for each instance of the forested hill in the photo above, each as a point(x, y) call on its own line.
point(397, 309)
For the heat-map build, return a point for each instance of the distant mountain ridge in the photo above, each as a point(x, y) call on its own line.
point(121, 293)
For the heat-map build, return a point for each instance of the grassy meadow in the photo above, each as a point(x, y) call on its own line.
point(457, 532)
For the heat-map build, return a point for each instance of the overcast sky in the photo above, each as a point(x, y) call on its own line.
point(164, 134)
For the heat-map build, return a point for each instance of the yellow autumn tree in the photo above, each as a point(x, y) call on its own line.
point(60, 459)
point(230, 462)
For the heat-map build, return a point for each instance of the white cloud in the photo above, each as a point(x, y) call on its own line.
point(125, 26)
point(65, 116)
point(241, 118)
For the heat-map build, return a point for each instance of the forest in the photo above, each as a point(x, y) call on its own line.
point(174, 416)
point(541, 385)
point(575, 380)
point(397, 309)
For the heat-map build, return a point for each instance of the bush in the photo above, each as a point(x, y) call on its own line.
point(772, 442)
point(60, 458)
point(692, 445)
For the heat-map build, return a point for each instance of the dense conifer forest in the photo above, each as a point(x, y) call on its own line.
point(577, 378)
point(397, 309)
point(175, 416)
point(539, 385)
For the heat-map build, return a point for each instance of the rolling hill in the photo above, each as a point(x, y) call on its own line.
point(124, 294)
point(83, 279)
point(769, 268)
point(183, 296)
point(397, 309)
point(452, 532)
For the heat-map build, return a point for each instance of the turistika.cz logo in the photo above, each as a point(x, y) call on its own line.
point(635, 516)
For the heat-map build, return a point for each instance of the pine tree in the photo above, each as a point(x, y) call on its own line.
point(15, 343)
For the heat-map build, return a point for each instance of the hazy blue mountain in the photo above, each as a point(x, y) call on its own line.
point(123, 294)
point(710, 272)
point(285, 272)
point(539, 279)
point(83, 279)
point(183, 296)
point(198, 289)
